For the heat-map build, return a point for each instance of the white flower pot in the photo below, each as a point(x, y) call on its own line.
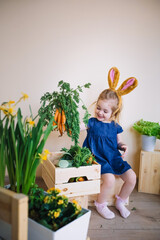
point(148, 143)
point(75, 230)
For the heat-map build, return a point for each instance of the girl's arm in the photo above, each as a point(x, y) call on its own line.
point(121, 146)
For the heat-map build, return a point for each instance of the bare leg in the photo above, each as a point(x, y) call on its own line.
point(108, 181)
point(101, 204)
point(129, 179)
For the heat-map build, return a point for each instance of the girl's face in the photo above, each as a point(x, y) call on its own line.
point(103, 110)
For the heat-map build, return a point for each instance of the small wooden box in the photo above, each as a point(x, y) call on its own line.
point(149, 172)
point(58, 177)
point(111, 197)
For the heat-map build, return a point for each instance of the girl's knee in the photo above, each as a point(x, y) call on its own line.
point(108, 180)
point(131, 177)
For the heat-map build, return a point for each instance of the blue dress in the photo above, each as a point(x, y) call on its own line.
point(102, 141)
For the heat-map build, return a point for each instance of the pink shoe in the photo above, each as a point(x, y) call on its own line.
point(122, 209)
point(103, 210)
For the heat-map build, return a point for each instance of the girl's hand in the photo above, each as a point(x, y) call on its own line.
point(124, 148)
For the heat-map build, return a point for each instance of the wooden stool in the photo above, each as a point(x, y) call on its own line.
point(149, 172)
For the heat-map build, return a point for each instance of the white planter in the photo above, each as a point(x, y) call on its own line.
point(75, 230)
point(148, 143)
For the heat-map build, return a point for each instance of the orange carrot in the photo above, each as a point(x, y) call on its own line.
point(56, 115)
point(63, 117)
point(60, 123)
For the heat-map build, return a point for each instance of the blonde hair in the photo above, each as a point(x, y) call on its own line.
point(108, 94)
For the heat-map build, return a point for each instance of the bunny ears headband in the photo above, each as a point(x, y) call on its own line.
point(126, 87)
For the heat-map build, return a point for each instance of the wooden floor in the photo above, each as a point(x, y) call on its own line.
point(142, 224)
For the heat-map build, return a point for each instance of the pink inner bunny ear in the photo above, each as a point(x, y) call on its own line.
point(129, 83)
point(112, 72)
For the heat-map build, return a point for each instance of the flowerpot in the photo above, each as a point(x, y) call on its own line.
point(76, 229)
point(148, 143)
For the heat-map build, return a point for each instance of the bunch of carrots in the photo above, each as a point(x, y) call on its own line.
point(60, 121)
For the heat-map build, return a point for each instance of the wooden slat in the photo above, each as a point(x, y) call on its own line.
point(149, 172)
point(6, 204)
point(19, 217)
point(79, 188)
point(14, 210)
point(62, 175)
point(47, 178)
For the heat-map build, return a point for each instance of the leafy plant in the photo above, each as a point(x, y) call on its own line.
point(147, 128)
point(52, 209)
point(79, 156)
point(64, 106)
point(21, 144)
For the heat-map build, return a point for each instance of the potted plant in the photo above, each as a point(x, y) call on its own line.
point(53, 217)
point(21, 143)
point(150, 131)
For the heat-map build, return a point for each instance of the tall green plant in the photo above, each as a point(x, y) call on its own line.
point(21, 143)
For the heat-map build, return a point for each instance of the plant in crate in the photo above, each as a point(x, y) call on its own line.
point(21, 142)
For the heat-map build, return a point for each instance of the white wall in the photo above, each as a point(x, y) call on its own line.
point(45, 41)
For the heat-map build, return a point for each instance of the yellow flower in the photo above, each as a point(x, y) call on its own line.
point(7, 111)
point(74, 201)
point(42, 157)
point(50, 190)
point(46, 151)
point(25, 96)
point(60, 202)
point(46, 199)
point(11, 102)
point(30, 121)
point(57, 213)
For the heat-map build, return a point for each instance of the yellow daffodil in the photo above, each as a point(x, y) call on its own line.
point(46, 151)
point(30, 121)
point(44, 155)
point(11, 102)
point(25, 96)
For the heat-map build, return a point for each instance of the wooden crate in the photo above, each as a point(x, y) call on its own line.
point(111, 198)
point(149, 172)
point(58, 177)
point(13, 215)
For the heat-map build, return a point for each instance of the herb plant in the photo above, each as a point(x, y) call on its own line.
point(79, 156)
point(147, 128)
point(63, 105)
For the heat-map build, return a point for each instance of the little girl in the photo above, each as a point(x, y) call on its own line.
point(104, 141)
